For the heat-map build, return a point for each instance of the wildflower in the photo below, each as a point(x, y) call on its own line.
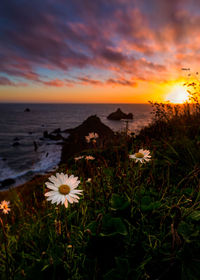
point(63, 189)
point(141, 156)
point(78, 158)
point(92, 136)
point(89, 158)
point(4, 205)
point(89, 180)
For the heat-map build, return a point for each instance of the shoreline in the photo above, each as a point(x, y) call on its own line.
point(26, 189)
point(73, 145)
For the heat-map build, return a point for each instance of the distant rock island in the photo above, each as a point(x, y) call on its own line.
point(118, 115)
point(27, 110)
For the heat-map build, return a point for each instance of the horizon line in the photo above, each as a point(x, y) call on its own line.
point(26, 102)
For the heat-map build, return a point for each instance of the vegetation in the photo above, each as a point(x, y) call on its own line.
point(134, 221)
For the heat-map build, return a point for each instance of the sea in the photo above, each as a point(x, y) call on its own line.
point(19, 130)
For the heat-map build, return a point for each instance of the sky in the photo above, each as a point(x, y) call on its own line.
point(96, 51)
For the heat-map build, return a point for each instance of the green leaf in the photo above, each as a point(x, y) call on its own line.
point(186, 230)
point(148, 205)
point(113, 226)
point(93, 227)
point(45, 267)
point(119, 202)
point(195, 215)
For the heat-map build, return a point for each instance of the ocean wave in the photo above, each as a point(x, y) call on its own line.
point(48, 161)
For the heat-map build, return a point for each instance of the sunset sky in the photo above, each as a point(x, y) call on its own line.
point(96, 50)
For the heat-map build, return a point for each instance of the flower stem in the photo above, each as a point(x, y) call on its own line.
point(6, 249)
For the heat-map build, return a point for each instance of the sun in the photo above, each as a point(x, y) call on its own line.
point(177, 95)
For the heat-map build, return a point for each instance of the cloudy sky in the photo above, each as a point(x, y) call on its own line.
point(96, 50)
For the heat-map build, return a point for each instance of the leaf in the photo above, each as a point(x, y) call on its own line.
point(148, 205)
point(119, 202)
point(45, 267)
point(93, 227)
point(113, 226)
point(195, 215)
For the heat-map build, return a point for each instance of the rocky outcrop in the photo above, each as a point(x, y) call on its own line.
point(118, 115)
point(76, 141)
point(7, 182)
point(91, 124)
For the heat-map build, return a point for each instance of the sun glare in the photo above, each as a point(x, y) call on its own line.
point(177, 95)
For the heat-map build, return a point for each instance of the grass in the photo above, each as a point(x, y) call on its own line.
point(134, 221)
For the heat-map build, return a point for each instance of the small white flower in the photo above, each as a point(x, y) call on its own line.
point(78, 158)
point(91, 136)
point(141, 156)
point(63, 189)
point(89, 158)
point(4, 206)
point(89, 180)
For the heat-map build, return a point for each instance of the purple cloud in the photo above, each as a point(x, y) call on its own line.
point(139, 38)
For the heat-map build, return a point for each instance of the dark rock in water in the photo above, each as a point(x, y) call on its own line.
point(52, 136)
point(15, 144)
point(30, 132)
point(16, 139)
point(45, 134)
point(57, 130)
point(35, 146)
point(118, 115)
point(4, 159)
point(27, 110)
point(76, 142)
point(7, 182)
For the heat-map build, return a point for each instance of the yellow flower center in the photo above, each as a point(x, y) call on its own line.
point(139, 155)
point(64, 189)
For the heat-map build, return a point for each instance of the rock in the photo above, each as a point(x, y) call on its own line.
point(30, 132)
point(15, 144)
point(27, 110)
point(76, 141)
point(56, 131)
point(16, 139)
point(51, 136)
point(91, 124)
point(7, 182)
point(35, 146)
point(118, 115)
point(45, 134)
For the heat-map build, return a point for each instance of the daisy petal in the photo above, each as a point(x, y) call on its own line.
point(66, 203)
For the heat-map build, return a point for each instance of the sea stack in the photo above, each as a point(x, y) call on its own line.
point(76, 142)
point(118, 115)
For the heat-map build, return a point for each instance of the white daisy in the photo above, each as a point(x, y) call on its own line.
point(4, 206)
point(78, 158)
point(141, 156)
point(63, 189)
point(92, 136)
point(89, 158)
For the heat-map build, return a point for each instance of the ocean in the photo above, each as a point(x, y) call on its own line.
point(19, 130)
